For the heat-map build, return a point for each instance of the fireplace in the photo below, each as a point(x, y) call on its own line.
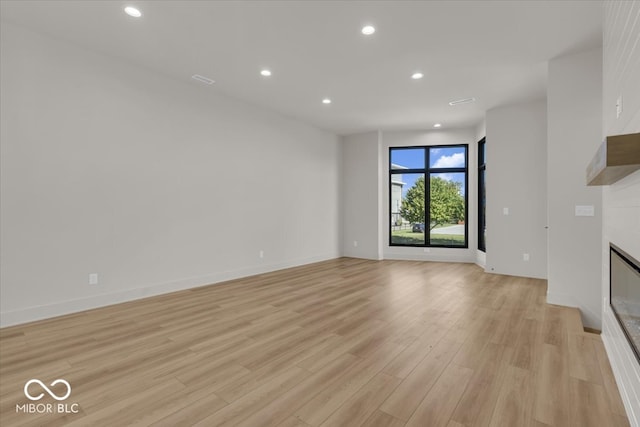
point(625, 294)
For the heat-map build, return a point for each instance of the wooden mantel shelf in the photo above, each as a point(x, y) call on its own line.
point(617, 157)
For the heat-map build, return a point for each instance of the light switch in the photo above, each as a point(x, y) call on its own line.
point(585, 210)
point(618, 107)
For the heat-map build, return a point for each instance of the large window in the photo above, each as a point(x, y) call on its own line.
point(428, 196)
point(482, 195)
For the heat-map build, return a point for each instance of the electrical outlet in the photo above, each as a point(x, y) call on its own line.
point(427, 250)
point(261, 254)
point(505, 211)
point(355, 243)
point(93, 278)
point(525, 257)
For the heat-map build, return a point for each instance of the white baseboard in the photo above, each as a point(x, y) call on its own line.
point(360, 255)
point(31, 314)
point(428, 257)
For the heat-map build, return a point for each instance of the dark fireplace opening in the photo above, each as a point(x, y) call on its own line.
point(624, 297)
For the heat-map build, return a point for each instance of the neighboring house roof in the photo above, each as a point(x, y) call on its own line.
point(397, 179)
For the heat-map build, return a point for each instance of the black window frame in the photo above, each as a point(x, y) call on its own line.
point(427, 171)
point(482, 194)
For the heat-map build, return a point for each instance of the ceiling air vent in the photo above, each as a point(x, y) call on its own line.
point(202, 79)
point(461, 101)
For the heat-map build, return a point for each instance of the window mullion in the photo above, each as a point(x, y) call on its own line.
point(427, 198)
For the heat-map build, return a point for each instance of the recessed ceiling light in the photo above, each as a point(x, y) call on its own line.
point(326, 101)
point(203, 79)
point(265, 73)
point(417, 76)
point(132, 11)
point(462, 101)
point(437, 125)
point(367, 30)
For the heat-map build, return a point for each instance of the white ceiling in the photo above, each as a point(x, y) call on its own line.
point(495, 51)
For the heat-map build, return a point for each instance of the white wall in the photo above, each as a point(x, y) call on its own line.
point(154, 184)
point(574, 111)
point(361, 195)
point(621, 201)
point(435, 137)
point(516, 179)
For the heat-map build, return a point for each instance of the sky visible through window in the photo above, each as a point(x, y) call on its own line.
point(442, 157)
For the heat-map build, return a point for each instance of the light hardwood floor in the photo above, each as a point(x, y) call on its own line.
point(340, 343)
